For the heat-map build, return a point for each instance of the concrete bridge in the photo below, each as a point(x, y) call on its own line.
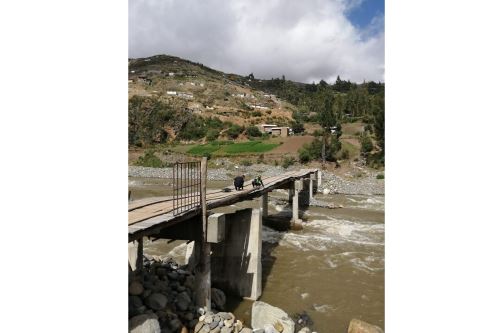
point(230, 256)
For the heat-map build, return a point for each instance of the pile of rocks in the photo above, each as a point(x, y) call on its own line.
point(221, 322)
point(368, 184)
point(164, 292)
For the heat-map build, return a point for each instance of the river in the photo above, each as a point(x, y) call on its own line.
point(332, 269)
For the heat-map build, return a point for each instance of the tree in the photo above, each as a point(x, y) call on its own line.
point(379, 129)
point(329, 121)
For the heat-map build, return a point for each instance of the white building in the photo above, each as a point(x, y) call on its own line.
point(172, 93)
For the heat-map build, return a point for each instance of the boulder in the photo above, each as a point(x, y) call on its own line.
point(183, 301)
point(146, 323)
point(268, 328)
point(246, 330)
point(304, 330)
point(135, 288)
point(156, 301)
point(218, 298)
point(263, 313)
point(359, 326)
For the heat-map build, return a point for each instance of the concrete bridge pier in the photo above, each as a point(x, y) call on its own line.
point(236, 249)
point(298, 186)
point(135, 255)
point(264, 204)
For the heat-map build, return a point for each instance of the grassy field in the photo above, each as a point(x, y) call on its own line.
point(219, 148)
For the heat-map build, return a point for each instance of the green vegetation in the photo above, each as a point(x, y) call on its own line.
point(249, 147)
point(366, 144)
point(234, 131)
point(380, 176)
point(253, 131)
point(288, 161)
point(222, 148)
point(150, 160)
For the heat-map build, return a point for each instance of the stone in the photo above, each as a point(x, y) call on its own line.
point(277, 325)
point(209, 319)
point(213, 325)
point(136, 301)
point(258, 330)
point(146, 323)
point(359, 326)
point(246, 330)
point(215, 330)
point(304, 330)
point(184, 329)
point(135, 288)
point(202, 318)
point(218, 297)
point(225, 330)
point(193, 323)
point(263, 313)
point(198, 326)
point(189, 283)
point(239, 325)
point(146, 293)
point(228, 322)
point(205, 329)
point(156, 301)
point(189, 316)
point(175, 324)
point(173, 276)
point(268, 328)
point(216, 318)
point(183, 301)
point(224, 315)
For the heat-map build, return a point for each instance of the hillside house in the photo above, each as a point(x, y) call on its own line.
point(275, 130)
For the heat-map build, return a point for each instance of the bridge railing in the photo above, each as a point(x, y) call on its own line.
point(186, 186)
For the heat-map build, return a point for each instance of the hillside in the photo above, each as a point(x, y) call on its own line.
point(196, 89)
point(197, 110)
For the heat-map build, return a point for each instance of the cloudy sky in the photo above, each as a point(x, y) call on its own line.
point(304, 40)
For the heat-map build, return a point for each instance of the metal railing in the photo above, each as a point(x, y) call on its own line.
point(186, 186)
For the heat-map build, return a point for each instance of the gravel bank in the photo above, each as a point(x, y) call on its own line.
point(362, 182)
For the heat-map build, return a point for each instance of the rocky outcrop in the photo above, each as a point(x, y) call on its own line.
point(264, 315)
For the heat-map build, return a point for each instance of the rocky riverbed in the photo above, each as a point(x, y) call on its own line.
point(363, 181)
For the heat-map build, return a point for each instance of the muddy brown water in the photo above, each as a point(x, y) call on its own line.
point(332, 269)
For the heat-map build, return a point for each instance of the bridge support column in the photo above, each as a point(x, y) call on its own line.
point(311, 188)
point(236, 262)
point(314, 180)
point(135, 255)
point(295, 204)
point(319, 178)
point(291, 192)
point(264, 204)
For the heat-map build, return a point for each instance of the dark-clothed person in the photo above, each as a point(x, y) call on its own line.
point(238, 182)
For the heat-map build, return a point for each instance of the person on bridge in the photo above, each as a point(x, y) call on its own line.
point(257, 182)
point(238, 182)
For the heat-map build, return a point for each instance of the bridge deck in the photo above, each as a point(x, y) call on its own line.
point(147, 216)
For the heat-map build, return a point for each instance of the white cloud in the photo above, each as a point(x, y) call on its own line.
point(304, 40)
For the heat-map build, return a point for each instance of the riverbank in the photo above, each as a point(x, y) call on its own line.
point(363, 181)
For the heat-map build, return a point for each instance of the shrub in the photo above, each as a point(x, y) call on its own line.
point(254, 131)
point(344, 154)
point(380, 176)
point(234, 131)
point(304, 155)
point(288, 161)
point(246, 162)
point(212, 134)
point(260, 159)
point(366, 144)
point(149, 160)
